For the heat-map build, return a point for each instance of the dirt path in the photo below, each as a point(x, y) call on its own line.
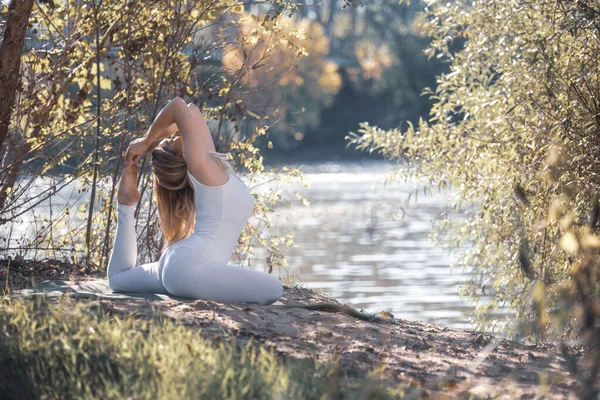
point(443, 361)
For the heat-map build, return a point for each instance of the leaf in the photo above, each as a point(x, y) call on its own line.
point(590, 241)
point(105, 83)
point(569, 243)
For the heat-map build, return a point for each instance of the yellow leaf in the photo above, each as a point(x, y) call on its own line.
point(569, 243)
point(80, 82)
point(105, 83)
point(590, 241)
point(80, 120)
point(94, 69)
point(223, 91)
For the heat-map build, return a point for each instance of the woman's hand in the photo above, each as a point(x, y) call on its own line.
point(136, 149)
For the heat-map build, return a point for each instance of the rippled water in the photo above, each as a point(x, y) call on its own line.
point(351, 241)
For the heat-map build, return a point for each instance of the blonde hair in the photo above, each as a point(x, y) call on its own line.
point(174, 195)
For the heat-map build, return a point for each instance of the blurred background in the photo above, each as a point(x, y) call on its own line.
point(365, 62)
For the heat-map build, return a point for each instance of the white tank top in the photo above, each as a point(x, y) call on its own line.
point(221, 213)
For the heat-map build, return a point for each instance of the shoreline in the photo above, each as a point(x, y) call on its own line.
point(437, 360)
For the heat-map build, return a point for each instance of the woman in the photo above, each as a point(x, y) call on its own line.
point(202, 207)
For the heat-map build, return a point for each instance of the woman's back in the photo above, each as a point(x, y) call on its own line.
point(221, 213)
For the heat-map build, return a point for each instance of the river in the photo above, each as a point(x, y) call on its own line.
point(352, 242)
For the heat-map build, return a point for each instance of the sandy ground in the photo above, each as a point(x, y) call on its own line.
point(443, 362)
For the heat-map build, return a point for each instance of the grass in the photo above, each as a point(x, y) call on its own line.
point(71, 349)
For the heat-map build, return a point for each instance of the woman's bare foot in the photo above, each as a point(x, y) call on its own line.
point(128, 193)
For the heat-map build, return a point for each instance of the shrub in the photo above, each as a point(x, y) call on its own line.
point(514, 128)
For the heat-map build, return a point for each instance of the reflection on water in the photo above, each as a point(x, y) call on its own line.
point(352, 242)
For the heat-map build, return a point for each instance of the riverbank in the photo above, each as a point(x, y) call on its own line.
point(431, 360)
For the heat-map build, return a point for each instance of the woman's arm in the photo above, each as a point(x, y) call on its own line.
point(139, 147)
point(200, 163)
point(206, 135)
point(165, 133)
point(164, 124)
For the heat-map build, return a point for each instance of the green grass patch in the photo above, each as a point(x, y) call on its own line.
point(72, 349)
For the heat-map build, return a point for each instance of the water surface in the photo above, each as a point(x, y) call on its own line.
point(353, 243)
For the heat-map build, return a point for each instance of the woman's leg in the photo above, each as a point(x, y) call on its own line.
point(187, 273)
point(122, 273)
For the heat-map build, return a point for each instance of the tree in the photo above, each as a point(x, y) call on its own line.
point(10, 65)
point(290, 84)
point(515, 129)
point(93, 76)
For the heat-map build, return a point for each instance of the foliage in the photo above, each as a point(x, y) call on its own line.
point(393, 68)
point(514, 128)
point(293, 84)
point(81, 350)
point(94, 75)
point(386, 71)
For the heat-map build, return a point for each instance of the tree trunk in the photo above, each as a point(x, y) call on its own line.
point(10, 60)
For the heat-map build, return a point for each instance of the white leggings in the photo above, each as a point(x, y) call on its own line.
point(183, 271)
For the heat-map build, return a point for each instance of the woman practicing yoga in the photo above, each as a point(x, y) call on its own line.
point(189, 177)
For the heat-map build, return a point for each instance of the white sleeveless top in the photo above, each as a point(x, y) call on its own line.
point(221, 213)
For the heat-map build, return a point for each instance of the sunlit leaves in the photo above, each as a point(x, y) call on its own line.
point(373, 58)
point(569, 243)
point(288, 58)
point(108, 69)
point(513, 129)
